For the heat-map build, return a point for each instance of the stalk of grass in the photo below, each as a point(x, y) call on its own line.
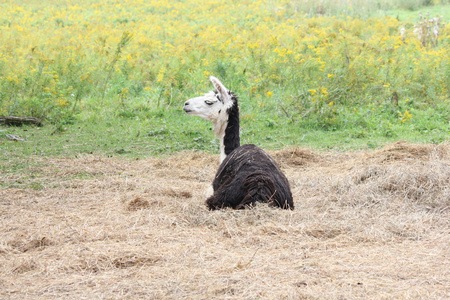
point(124, 40)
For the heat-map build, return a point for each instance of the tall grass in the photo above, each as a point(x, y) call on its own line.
point(361, 8)
point(319, 62)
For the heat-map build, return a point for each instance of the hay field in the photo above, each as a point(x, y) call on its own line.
point(367, 225)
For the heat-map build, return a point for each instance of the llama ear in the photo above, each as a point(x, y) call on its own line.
point(220, 88)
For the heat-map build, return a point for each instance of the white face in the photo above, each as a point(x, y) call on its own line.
point(207, 107)
point(212, 105)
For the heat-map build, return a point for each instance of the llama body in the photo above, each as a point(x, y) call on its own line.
point(246, 174)
point(249, 175)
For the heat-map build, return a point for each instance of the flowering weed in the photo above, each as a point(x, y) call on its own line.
point(59, 60)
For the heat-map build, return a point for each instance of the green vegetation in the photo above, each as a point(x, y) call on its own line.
point(111, 78)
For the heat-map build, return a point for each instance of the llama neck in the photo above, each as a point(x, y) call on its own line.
point(229, 133)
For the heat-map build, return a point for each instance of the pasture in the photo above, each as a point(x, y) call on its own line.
point(367, 225)
point(355, 67)
point(107, 199)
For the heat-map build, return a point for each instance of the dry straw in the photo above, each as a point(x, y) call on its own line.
point(367, 225)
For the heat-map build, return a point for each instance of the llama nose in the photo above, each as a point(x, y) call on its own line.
point(185, 108)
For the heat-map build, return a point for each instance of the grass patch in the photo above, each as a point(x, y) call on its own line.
point(172, 131)
point(339, 78)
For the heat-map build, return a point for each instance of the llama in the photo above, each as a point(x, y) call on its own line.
point(246, 174)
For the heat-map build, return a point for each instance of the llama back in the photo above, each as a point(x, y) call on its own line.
point(249, 175)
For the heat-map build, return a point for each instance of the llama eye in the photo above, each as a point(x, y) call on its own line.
point(209, 102)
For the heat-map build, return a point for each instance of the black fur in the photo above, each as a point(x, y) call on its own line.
point(249, 175)
point(232, 138)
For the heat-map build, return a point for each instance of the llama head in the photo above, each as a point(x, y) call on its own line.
point(212, 106)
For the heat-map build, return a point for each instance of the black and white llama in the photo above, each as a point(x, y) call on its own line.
point(246, 174)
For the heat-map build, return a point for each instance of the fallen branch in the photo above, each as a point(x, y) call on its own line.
point(19, 121)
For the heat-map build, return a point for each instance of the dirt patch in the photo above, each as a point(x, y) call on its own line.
point(138, 203)
point(405, 151)
point(295, 156)
point(367, 224)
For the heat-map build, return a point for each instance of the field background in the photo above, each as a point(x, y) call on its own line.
point(111, 78)
point(106, 200)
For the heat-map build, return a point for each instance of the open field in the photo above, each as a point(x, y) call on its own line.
point(106, 200)
point(367, 225)
point(331, 65)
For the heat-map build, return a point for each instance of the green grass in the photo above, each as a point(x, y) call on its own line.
point(305, 79)
point(442, 11)
point(169, 131)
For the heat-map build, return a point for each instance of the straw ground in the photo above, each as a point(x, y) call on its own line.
point(368, 225)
